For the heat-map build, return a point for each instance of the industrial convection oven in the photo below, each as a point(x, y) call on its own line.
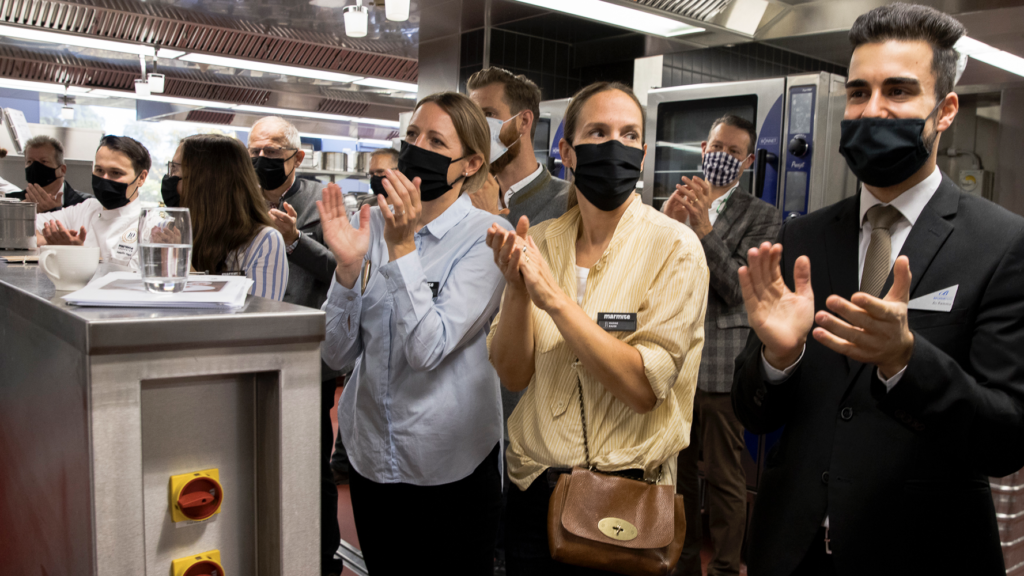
point(157, 442)
point(798, 167)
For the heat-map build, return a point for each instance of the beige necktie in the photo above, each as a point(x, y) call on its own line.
point(877, 261)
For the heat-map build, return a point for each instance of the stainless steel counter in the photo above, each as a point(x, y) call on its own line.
point(99, 407)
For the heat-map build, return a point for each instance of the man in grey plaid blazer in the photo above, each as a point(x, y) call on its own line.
point(728, 221)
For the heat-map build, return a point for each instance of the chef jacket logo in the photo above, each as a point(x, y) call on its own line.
point(129, 236)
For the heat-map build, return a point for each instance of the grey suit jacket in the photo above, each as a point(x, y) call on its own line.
point(543, 199)
point(746, 222)
point(311, 264)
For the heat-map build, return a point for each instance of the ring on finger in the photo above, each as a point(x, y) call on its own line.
point(402, 213)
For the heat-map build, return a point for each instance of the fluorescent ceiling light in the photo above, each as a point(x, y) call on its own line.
point(376, 142)
point(620, 16)
point(387, 84)
point(34, 86)
point(36, 35)
point(268, 67)
point(990, 55)
point(168, 53)
point(317, 115)
point(157, 98)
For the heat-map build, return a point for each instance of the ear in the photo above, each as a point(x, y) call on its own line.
point(142, 178)
point(567, 153)
point(300, 155)
point(527, 122)
point(947, 112)
point(473, 164)
point(748, 162)
point(703, 147)
point(644, 159)
point(63, 169)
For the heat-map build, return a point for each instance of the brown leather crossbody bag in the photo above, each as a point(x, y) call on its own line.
point(607, 522)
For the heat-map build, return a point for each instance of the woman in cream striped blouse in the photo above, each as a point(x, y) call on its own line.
point(608, 255)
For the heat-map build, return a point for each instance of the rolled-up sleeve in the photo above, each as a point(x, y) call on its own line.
point(342, 345)
point(670, 322)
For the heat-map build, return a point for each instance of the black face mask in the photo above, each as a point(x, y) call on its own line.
point(111, 194)
point(40, 174)
point(607, 173)
point(883, 152)
point(430, 167)
point(270, 171)
point(377, 186)
point(169, 191)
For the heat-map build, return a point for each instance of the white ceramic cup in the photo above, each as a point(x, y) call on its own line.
point(69, 267)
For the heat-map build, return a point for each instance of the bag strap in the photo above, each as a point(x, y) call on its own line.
point(586, 443)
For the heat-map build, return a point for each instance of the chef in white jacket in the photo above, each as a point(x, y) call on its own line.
point(111, 219)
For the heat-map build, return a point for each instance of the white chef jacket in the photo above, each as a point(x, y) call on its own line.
point(114, 231)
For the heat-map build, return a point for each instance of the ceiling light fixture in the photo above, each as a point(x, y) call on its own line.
point(268, 67)
point(317, 115)
point(397, 10)
point(156, 83)
point(142, 87)
point(357, 20)
point(620, 16)
point(387, 84)
point(990, 55)
point(36, 35)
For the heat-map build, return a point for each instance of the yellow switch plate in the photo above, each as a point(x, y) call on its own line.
point(179, 566)
point(178, 482)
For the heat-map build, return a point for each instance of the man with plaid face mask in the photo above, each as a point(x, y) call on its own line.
point(728, 221)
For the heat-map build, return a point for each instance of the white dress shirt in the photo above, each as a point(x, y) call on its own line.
point(521, 184)
point(718, 204)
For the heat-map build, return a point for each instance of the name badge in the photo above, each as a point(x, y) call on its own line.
point(434, 287)
point(617, 321)
point(940, 301)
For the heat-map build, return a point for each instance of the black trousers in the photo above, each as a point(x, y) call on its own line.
point(330, 534)
point(526, 534)
point(400, 525)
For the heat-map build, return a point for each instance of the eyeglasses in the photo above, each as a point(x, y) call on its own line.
point(269, 152)
point(174, 169)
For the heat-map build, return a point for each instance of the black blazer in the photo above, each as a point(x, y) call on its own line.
point(903, 475)
point(71, 197)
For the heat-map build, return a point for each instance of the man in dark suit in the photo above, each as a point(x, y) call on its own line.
point(729, 222)
point(44, 171)
point(910, 393)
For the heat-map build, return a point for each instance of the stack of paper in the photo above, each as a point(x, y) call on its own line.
point(126, 290)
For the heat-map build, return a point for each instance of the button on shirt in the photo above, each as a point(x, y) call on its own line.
point(113, 231)
point(422, 405)
point(667, 289)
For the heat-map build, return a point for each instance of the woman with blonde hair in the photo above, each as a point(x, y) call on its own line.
point(231, 230)
point(602, 323)
point(410, 304)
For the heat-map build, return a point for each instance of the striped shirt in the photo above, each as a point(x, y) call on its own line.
point(653, 267)
point(264, 261)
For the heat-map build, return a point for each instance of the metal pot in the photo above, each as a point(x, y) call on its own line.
point(17, 225)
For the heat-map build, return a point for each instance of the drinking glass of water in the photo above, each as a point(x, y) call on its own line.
point(165, 248)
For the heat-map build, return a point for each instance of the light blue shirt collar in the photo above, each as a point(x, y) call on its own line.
point(449, 218)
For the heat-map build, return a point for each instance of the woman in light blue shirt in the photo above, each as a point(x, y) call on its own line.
point(410, 304)
point(231, 230)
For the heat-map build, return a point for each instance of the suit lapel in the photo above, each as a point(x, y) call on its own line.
point(735, 208)
point(929, 233)
point(841, 250)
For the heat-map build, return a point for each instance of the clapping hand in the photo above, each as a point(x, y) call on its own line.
point(487, 196)
point(691, 200)
point(508, 250)
point(780, 317)
point(400, 227)
point(875, 330)
point(44, 201)
point(56, 234)
point(519, 259)
point(349, 245)
point(285, 222)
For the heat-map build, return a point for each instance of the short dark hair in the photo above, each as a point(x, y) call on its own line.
point(130, 147)
point(737, 122)
point(521, 93)
point(389, 152)
point(908, 22)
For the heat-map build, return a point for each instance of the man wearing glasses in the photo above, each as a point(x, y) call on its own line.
point(274, 147)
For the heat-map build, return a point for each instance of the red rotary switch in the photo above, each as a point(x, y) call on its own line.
point(199, 499)
point(205, 568)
